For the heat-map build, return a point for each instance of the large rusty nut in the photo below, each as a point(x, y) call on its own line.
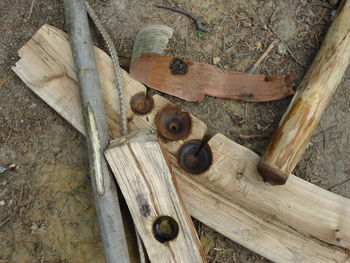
point(173, 124)
point(195, 157)
point(141, 104)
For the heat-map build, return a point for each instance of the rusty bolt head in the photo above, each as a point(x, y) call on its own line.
point(178, 66)
point(195, 157)
point(173, 124)
point(141, 103)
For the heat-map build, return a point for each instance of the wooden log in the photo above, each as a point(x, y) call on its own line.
point(305, 110)
point(219, 202)
point(104, 188)
point(151, 194)
point(202, 79)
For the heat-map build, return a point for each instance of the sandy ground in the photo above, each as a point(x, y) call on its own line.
point(46, 209)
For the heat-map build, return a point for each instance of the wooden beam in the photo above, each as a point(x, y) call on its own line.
point(230, 198)
point(151, 193)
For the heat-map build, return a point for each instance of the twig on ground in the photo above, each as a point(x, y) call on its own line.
point(288, 49)
point(321, 132)
point(339, 184)
point(244, 53)
point(6, 220)
point(253, 136)
point(64, 207)
point(235, 118)
point(254, 68)
point(7, 168)
point(31, 9)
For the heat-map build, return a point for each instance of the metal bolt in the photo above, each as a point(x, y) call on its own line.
point(141, 103)
point(178, 66)
point(165, 229)
point(195, 157)
point(173, 124)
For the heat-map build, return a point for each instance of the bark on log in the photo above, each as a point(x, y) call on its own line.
point(305, 110)
point(92, 108)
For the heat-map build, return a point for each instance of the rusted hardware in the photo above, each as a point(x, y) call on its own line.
point(141, 103)
point(195, 157)
point(165, 229)
point(173, 124)
point(200, 24)
point(178, 66)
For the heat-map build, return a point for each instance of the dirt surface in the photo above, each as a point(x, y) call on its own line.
point(46, 209)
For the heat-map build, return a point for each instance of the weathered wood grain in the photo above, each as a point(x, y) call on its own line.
point(218, 200)
point(202, 79)
point(151, 192)
point(305, 110)
point(299, 204)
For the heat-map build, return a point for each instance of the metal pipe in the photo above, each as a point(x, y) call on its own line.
point(103, 184)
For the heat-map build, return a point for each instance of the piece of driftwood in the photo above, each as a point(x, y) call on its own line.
point(305, 110)
point(151, 194)
point(232, 202)
point(92, 108)
point(202, 79)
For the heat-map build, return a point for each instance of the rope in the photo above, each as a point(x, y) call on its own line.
point(114, 56)
point(119, 81)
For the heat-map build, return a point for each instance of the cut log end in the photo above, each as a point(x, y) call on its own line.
point(271, 175)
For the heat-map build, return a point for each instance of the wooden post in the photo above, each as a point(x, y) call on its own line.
point(153, 198)
point(305, 110)
point(104, 188)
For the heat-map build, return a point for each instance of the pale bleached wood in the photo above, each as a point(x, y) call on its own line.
point(150, 192)
point(55, 78)
point(263, 235)
point(305, 110)
point(299, 204)
point(259, 231)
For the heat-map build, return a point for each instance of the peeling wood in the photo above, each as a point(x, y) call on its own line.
point(202, 79)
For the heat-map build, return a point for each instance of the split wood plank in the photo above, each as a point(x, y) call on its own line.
point(299, 204)
point(261, 234)
point(259, 231)
point(202, 79)
point(151, 192)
